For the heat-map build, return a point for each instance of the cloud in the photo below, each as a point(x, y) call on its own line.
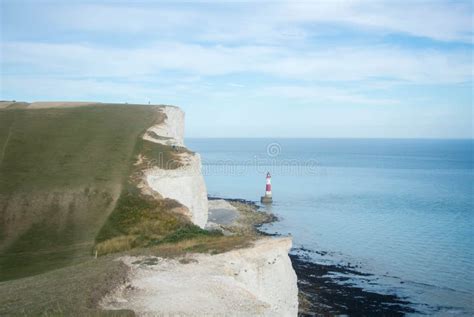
point(119, 18)
point(270, 22)
point(80, 89)
point(312, 94)
point(444, 21)
point(337, 64)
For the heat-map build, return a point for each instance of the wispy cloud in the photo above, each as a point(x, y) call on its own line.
point(308, 94)
point(445, 21)
point(420, 66)
point(275, 20)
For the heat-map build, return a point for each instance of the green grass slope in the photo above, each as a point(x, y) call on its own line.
point(70, 291)
point(61, 173)
point(69, 189)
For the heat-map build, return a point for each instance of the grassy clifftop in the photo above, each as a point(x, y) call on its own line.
point(61, 173)
point(57, 148)
point(69, 186)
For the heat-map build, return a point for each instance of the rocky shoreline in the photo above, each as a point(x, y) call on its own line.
point(326, 295)
point(321, 287)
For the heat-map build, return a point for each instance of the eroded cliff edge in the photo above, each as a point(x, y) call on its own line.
point(184, 184)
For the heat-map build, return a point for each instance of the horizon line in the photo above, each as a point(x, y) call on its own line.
point(340, 138)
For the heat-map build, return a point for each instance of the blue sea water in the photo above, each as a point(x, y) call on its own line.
point(401, 210)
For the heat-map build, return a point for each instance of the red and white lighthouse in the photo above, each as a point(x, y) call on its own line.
point(267, 199)
point(268, 190)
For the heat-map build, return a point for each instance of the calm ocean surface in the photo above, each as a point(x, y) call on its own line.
point(399, 209)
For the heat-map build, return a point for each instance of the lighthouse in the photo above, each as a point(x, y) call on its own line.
point(267, 199)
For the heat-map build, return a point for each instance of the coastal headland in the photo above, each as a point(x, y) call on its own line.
point(105, 211)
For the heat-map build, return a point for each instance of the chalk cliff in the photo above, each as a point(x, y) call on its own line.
point(258, 280)
point(255, 281)
point(186, 183)
point(171, 130)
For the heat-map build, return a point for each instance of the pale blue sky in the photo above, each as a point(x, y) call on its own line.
point(248, 69)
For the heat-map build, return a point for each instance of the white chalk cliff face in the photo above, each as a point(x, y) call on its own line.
point(185, 184)
point(255, 281)
point(171, 130)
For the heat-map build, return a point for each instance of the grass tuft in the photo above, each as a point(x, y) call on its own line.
point(117, 244)
point(187, 232)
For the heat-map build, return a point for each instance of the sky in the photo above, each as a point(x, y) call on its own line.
point(376, 69)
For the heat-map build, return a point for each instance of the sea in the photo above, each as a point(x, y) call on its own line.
point(398, 209)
